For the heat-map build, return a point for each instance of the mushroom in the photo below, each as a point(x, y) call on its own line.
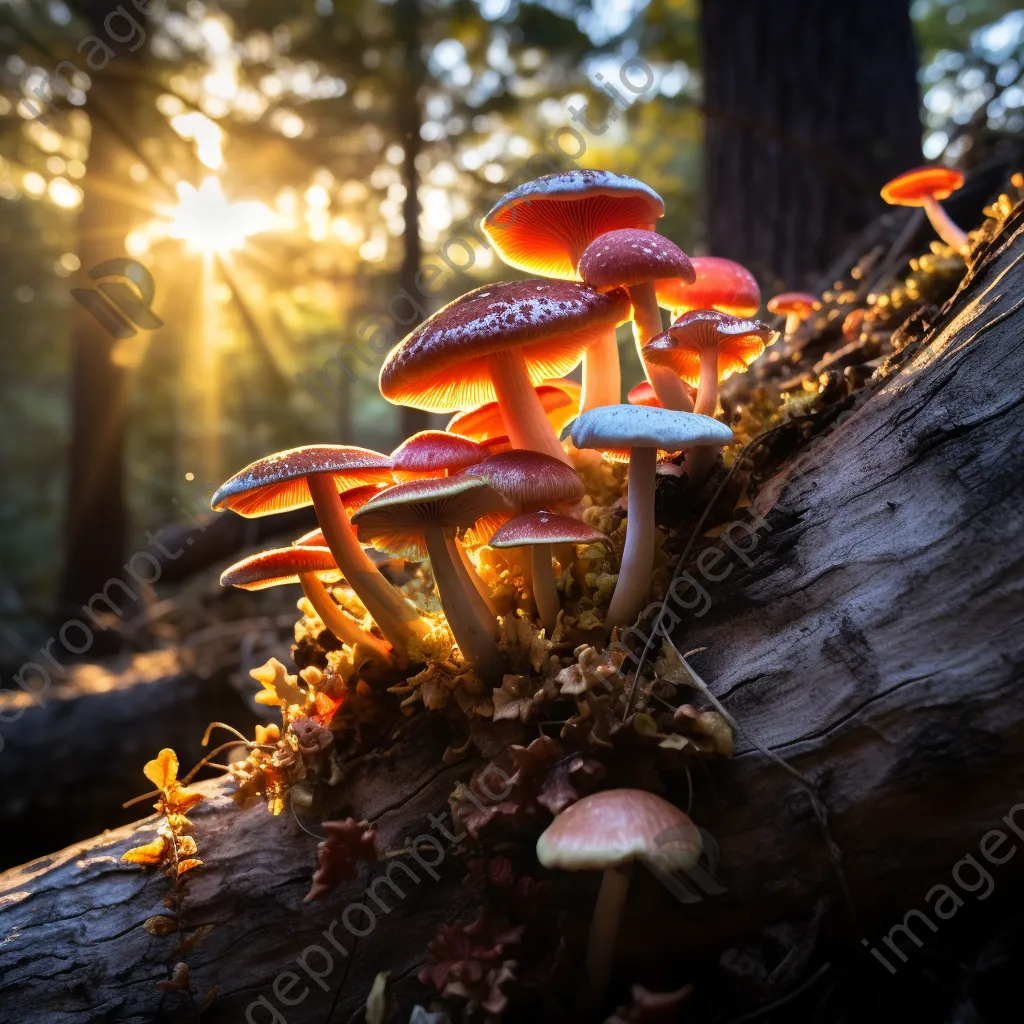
point(721, 284)
point(315, 474)
point(704, 347)
point(634, 259)
point(608, 831)
point(532, 481)
point(420, 518)
point(544, 225)
point(644, 431)
point(925, 186)
point(795, 307)
point(538, 531)
point(434, 453)
point(643, 394)
point(311, 567)
point(497, 345)
point(560, 400)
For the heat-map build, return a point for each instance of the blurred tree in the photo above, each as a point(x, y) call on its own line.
point(811, 106)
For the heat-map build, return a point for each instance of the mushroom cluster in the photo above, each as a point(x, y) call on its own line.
point(499, 484)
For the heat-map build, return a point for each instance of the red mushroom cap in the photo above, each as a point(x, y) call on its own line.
point(912, 188)
point(443, 365)
point(434, 453)
point(721, 284)
point(643, 394)
point(630, 256)
point(739, 343)
point(544, 225)
point(277, 483)
point(281, 565)
point(801, 303)
point(544, 528)
point(560, 400)
point(531, 481)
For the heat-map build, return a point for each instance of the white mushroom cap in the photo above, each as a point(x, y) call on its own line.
point(639, 426)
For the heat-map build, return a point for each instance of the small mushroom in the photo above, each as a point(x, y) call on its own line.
point(635, 260)
point(538, 531)
point(532, 481)
point(498, 344)
point(643, 394)
point(311, 567)
point(420, 518)
point(317, 475)
point(608, 831)
point(644, 431)
point(796, 307)
point(544, 225)
point(721, 284)
point(925, 186)
point(560, 400)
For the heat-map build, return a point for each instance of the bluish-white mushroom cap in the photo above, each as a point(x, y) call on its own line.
point(615, 427)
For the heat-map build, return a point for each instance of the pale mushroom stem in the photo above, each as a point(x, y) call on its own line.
point(602, 378)
point(337, 621)
point(638, 555)
point(521, 409)
point(667, 385)
point(470, 633)
point(700, 460)
point(945, 228)
point(793, 322)
point(545, 593)
point(395, 616)
point(475, 587)
point(604, 931)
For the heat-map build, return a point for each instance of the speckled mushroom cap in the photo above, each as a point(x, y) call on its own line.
point(545, 528)
point(913, 187)
point(395, 519)
point(277, 483)
point(739, 343)
point(614, 427)
point(544, 225)
point(531, 481)
point(433, 453)
point(560, 400)
point(720, 284)
point(281, 565)
point(617, 826)
point(443, 365)
point(785, 303)
point(631, 256)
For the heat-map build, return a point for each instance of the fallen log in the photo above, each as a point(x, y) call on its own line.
point(870, 634)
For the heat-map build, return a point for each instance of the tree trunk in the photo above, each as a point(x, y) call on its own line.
point(811, 106)
point(96, 517)
point(872, 635)
point(408, 103)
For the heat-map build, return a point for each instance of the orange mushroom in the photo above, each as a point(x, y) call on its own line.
point(643, 394)
point(560, 400)
point(795, 307)
point(721, 284)
point(497, 346)
point(925, 186)
point(544, 225)
point(434, 453)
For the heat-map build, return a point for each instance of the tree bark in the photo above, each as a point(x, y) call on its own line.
point(872, 637)
point(802, 129)
point(96, 516)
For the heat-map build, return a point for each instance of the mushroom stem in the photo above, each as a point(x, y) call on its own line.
point(945, 228)
point(395, 616)
point(707, 388)
point(475, 587)
point(469, 631)
point(638, 555)
point(647, 325)
point(604, 930)
point(793, 321)
point(602, 379)
point(521, 409)
point(337, 621)
point(545, 593)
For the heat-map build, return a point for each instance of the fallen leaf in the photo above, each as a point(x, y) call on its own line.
point(160, 925)
point(150, 855)
point(162, 771)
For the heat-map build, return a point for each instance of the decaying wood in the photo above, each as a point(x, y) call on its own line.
point(874, 638)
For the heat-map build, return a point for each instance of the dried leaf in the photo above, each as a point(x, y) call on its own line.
point(187, 865)
point(150, 855)
point(160, 925)
point(186, 846)
point(162, 771)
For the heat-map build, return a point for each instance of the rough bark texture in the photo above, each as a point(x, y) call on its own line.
point(802, 131)
point(875, 642)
